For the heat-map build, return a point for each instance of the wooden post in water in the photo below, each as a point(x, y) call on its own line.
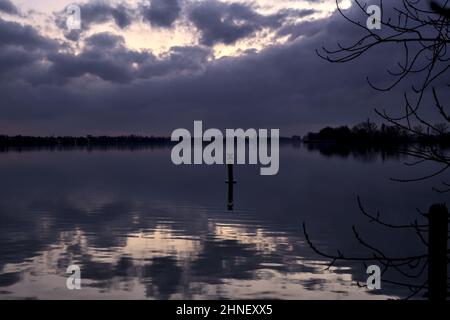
point(437, 252)
point(230, 183)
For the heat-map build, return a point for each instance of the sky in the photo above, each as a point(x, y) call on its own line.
point(152, 66)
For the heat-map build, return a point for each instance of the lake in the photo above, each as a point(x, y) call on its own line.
point(140, 227)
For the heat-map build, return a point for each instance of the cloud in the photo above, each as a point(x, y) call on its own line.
point(220, 22)
point(179, 61)
point(295, 30)
point(12, 59)
point(216, 21)
point(223, 22)
point(21, 47)
point(105, 40)
point(161, 13)
point(109, 88)
point(104, 56)
point(13, 33)
point(8, 7)
point(97, 12)
point(110, 61)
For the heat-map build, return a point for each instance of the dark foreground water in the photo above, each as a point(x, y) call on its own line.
point(140, 227)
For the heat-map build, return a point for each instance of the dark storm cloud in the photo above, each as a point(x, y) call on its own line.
point(13, 33)
point(8, 7)
point(228, 22)
point(21, 47)
point(101, 11)
point(108, 88)
point(91, 62)
point(104, 56)
point(97, 12)
point(216, 21)
point(105, 40)
point(180, 60)
point(12, 58)
point(161, 13)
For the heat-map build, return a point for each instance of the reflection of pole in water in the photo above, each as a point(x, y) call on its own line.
point(230, 183)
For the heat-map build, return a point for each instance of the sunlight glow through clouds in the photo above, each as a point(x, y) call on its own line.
point(140, 35)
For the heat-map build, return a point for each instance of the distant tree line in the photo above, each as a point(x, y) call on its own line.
point(131, 141)
point(370, 133)
point(366, 133)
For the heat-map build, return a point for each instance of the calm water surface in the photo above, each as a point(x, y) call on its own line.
point(140, 227)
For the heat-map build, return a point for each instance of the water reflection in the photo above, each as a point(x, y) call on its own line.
point(140, 227)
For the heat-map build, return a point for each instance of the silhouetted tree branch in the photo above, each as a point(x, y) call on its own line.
point(411, 268)
point(420, 29)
